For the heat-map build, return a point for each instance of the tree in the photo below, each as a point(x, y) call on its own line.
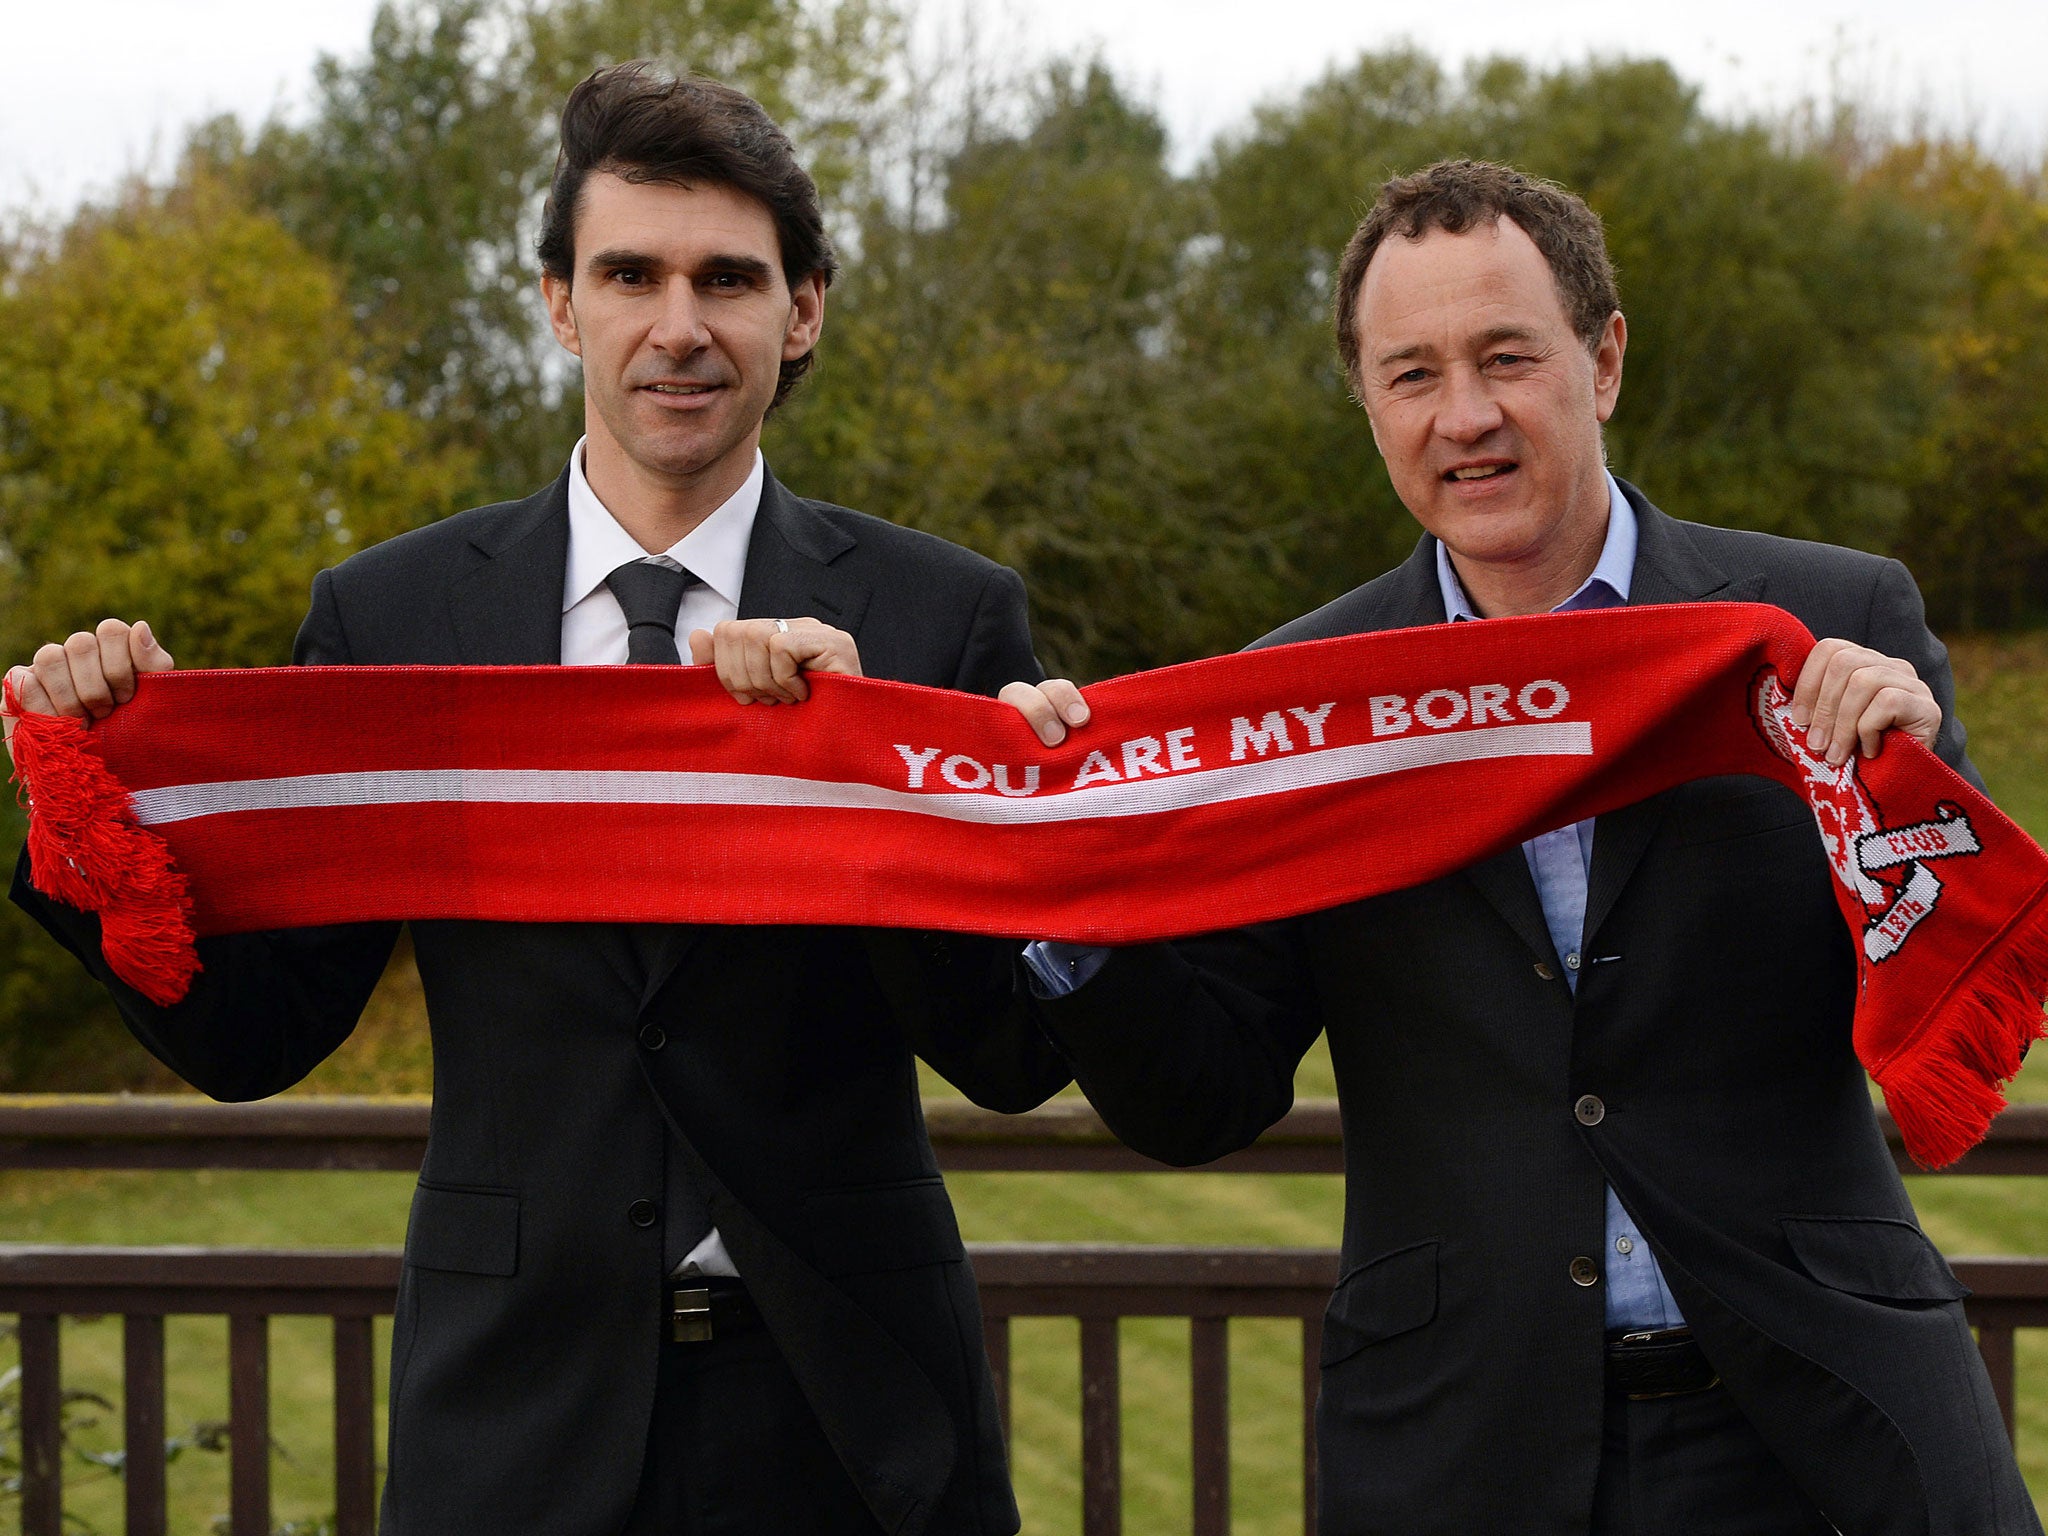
point(989, 368)
point(189, 430)
point(1977, 531)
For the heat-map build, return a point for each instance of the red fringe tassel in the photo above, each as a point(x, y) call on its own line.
point(1943, 1089)
point(86, 850)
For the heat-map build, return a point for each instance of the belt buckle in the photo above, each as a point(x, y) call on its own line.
point(690, 1315)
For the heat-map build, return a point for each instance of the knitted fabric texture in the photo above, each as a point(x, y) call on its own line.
point(1239, 789)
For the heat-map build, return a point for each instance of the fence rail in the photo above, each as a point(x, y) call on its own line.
point(1098, 1284)
point(370, 1135)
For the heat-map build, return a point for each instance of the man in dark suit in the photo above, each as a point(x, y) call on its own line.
point(680, 1260)
point(1624, 1250)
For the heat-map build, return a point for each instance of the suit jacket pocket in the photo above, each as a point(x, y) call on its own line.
point(1391, 1295)
point(866, 1229)
point(1715, 810)
point(471, 1231)
point(1872, 1256)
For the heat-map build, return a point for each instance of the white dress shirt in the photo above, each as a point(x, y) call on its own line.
point(594, 626)
point(715, 552)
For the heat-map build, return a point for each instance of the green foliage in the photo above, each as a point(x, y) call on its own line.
point(989, 371)
point(1977, 533)
point(188, 431)
point(413, 180)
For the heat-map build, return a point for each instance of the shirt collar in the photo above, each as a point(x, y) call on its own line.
point(715, 551)
point(1607, 587)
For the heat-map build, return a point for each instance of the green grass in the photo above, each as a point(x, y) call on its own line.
point(2003, 696)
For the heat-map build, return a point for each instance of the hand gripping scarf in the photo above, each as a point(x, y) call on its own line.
point(1234, 790)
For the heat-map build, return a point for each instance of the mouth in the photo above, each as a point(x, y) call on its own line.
point(1494, 470)
point(681, 390)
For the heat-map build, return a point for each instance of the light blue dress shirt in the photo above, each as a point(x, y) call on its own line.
point(1637, 1297)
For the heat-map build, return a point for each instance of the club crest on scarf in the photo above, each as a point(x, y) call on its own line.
point(1886, 868)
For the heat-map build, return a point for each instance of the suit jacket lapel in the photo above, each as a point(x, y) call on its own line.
point(1504, 880)
point(1669, 569)
point(790, 572)
point(507, 608)
point(789, 575)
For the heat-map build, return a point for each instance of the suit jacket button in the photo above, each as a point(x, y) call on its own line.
point(1544, 972)
point(652, 1037)
point(1585, 1272)
point(1590, 1110)
point(643, 1214)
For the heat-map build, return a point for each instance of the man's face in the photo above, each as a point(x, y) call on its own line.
point(683, 318)
point(1484, 403)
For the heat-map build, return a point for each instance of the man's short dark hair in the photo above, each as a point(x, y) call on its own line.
point(1457, 195)
point(633, 121)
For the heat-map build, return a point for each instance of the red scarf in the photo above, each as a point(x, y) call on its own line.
point(1243, 788)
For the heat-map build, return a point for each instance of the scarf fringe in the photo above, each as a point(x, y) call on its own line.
point(86, 850)
point(1944, 1089)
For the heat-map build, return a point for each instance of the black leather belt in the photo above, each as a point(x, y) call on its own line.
point(1657, 1362)
point(710, 1307)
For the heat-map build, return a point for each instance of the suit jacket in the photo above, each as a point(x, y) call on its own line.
point(1461, 1361)
point(529, 1315)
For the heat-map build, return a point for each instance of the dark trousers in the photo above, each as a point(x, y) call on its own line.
point(1692, 1466)
point(734, 1450)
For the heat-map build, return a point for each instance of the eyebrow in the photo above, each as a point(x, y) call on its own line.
point(1490, 338)
point(1502, 333)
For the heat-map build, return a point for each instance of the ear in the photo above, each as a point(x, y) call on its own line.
point(806, 317)
point(561, 313)
point(1607, 365)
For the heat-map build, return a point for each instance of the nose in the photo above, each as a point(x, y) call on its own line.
point(1469, 410)
point(679, 330)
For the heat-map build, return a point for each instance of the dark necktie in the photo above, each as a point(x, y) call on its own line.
point(651, 596)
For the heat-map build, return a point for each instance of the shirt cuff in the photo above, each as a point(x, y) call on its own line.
point(1057, 969)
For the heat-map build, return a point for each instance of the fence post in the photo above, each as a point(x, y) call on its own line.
point(1311, 1385)
point(355, 1428)
point(42, 1427)
point(1995, 1344)
point(1209, 1415)
point(248, 1424)
point(142, 1412)
point(1102, 1492)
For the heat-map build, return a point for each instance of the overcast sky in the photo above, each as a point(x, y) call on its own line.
point(89, 93)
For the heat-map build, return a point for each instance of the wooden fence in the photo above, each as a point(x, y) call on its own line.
point(1097, 1284)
